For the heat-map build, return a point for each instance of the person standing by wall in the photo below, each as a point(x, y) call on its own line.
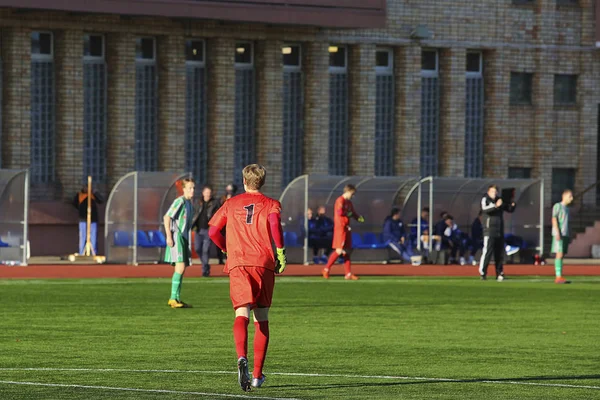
point(80, 201)
point(207, 206)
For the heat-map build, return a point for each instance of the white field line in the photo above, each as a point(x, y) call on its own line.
point(377, 377)
point(204, 394)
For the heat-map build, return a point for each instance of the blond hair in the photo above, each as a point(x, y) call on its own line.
point(349, 188)
point(254, 176)
point(185, 181)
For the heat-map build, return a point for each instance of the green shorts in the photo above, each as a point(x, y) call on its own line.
point(560, 246)
point(181, 252)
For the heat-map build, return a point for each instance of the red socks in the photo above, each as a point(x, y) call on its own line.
point(347, 264)
point(240, 336)
point(261, 343)
point(332, 259)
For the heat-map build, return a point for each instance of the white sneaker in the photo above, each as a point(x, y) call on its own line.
point(462, 261)
point(257, 382)
point(500, 278)
point(510, 250)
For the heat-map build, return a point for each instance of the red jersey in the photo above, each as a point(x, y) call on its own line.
point(341, 211)
point(248, 238)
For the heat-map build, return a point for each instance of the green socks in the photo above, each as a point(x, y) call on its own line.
point(558, 264)
point(176, 285)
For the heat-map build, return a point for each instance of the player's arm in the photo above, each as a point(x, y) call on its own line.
point(355, 215)
point(168, 219)
point(277, 236)
point(487, 206)
point(216, 225)
point(555, 230)
point(339, 211)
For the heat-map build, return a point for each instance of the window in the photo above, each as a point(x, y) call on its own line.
point(292, 56)
point(338, 57)
point(474, 114)
point(93, 46)
point(196, 140)
point(430, 112)
point(429, 61)
point(145, 49)
point(94, 109)
point(562, 178)
point(42, 108)
point(338, 111)
point(384, 112)
point(244, 54)
point(474, 62)
point(194, 51)
point(520, 88)
point(245, 110)
point(567, 2)
point(565, 89)
point(146, 106)
point(519, 173)
point(1, 87)
point(293, 114)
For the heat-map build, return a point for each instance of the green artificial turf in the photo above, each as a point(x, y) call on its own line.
point(377, 338)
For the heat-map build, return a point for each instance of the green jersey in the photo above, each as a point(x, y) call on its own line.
point(561, 213)
point(181, 214)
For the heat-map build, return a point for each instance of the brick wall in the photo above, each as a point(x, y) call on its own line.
point(543, 39)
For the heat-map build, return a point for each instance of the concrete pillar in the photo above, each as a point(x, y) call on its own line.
point(316, 106)
point(269, 112)
point(362, 109)
point(452, 112)
point(407, 71)
point(221, 111)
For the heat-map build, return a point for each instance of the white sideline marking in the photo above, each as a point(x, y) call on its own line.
point(382, 377)
point(212, 395)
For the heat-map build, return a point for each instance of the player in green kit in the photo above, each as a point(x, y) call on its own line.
point(178, 221)
point(560, 233)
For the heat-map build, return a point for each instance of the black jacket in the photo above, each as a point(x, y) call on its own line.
point(80, 202)
point(493, 220)
point(212, 204)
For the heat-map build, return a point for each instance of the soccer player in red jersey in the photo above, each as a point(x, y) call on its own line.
point(251, 220)
point(342, 237)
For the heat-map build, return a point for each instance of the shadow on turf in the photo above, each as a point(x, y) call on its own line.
point(426, 382)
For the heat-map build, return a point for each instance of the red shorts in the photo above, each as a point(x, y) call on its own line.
point(342, 239)
point(251, 286)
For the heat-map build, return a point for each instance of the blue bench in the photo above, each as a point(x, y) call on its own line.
point(3, 244)
point(369, 240)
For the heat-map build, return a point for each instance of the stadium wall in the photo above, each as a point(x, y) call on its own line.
point(544, 37)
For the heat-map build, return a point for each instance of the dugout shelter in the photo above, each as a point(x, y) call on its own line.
point(376, 196)
point(134, 231)
point(14, 210)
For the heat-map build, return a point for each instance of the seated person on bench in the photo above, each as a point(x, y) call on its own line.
point(395, 235)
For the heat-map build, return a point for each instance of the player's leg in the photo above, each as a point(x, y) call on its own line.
point(82, 235)
point(265, 282)
point(205, 250)
point(348, 275)
point(240, 337)
point(94, 237)
point(499, 251)
point(174, 300)
point(560, 248)
point(486, 255)
point(337, 253)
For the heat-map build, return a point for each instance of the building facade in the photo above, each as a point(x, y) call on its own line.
point(478, 89)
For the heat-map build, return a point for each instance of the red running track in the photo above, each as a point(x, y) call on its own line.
point(78, 271)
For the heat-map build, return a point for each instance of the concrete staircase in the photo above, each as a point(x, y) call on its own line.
point(585, 232)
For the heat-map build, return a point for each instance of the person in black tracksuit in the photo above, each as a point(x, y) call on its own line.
point(493, 209)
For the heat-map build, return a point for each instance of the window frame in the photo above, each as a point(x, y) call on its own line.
point(431, 73)
point(335, 69)
point(195, 62)
point(479, 73)
point(39, 56)
point(154, 49)
point(249, 65)
point(293, 68)
point(520, 103)
point(389, 69)
point(565, 103)
point(95, 58)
